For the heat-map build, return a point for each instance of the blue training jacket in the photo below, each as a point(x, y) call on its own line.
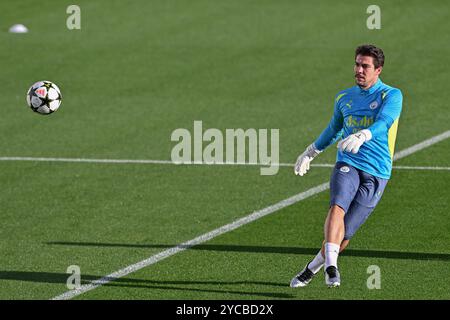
point(376, 109)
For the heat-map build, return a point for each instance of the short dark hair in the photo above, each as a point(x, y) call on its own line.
point(372, 51)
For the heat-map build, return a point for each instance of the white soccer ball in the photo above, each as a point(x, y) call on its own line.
point(44, 97)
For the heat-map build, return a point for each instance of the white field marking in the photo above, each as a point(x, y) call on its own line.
point(186, 245)
point(422, 145)
point(85, 160)
point(144, 161)
point(319, 165)
point(421, 168)
point(221, 230)
point(397, 156)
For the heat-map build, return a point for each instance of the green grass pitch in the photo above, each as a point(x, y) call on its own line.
point(136, 71)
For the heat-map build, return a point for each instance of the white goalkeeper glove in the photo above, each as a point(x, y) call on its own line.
point(354, 141)
point(302, 164)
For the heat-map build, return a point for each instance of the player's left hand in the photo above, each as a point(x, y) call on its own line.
point(354, 141)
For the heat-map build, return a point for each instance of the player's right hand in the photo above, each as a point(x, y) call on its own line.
point(303, 161)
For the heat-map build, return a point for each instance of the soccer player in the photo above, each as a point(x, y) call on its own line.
point(365, 118)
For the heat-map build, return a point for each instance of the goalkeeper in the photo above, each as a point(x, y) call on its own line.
point(366, 118)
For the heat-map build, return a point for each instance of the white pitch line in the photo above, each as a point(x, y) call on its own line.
point(422, 145)
point(130, 161)
point(148, 161)
point(226, 228)
point(421, 168)
point(397, 156)
point(43, 159)
point(327, 165)
point(186, 245)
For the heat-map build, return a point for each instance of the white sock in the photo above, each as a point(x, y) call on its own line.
point(316, 263)
point(331, 254)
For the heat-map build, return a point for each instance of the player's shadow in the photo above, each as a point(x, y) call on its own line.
point(177, 285)
point(273, 249)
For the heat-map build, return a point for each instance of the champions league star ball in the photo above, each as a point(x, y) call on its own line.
point(44, 97)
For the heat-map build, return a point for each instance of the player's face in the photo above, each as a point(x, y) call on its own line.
point(365, 73)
